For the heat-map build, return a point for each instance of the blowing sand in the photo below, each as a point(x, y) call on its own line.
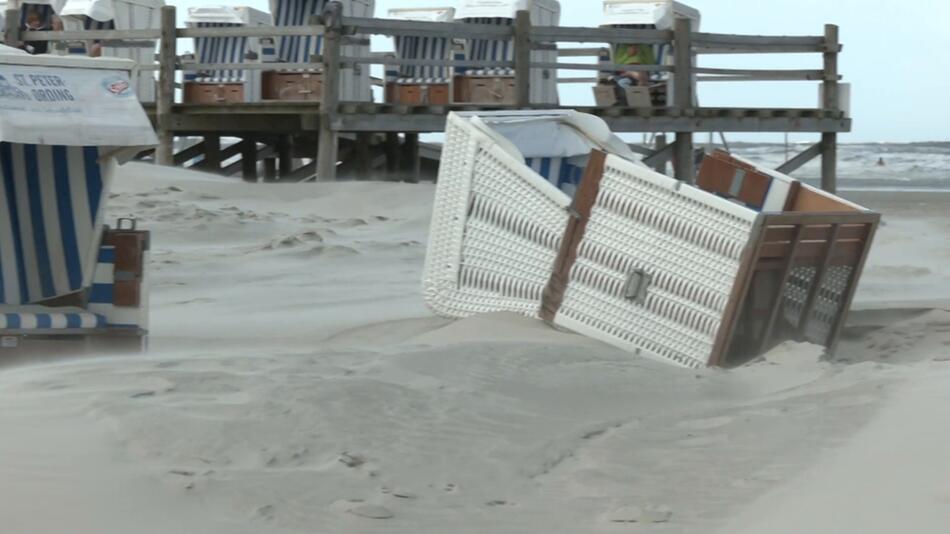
point(297, 384)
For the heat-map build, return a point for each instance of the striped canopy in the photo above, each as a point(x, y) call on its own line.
point(411, 47)
point(51, 201)
point(490, 50)
point(297, 49)
point(221, 50)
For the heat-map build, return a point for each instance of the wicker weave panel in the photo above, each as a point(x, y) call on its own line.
point(496, 229)
point(689, 242)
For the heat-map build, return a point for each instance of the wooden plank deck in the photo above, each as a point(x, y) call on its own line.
point(293, 117)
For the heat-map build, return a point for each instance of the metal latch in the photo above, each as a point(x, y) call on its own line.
point(638, 283)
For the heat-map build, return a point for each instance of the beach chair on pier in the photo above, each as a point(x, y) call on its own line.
point(706, 275)
point(79, 15)
point(307, 84)
point(37, 15)
point(65, 275)
point(421, 84)
point(223, 86)
point(641, 15)
point(497, 85)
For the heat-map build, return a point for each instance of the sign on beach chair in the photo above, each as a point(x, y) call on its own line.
point(307, 84)
point(222, 86)
point(78, 15)
point(633, 257)
point(65, 124)
point(496, 85)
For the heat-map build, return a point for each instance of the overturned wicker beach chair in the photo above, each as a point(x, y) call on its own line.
point(63, 273)
point(696, 276)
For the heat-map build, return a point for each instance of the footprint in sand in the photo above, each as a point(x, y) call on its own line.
point(852, 402)
point(709, 423)
point(703, 441)
point(399, 493)
point(371, 511)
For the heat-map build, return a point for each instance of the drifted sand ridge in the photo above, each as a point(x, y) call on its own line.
point(297, 384)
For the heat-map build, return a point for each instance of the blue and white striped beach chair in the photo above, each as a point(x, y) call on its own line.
point(422, 84)
point(225, 85)
point(496, 84)
point(304, 84)
point(62, 271)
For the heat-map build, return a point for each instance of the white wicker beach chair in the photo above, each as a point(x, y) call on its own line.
point(636, 259)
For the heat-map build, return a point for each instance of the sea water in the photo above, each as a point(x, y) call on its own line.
point(918, 166)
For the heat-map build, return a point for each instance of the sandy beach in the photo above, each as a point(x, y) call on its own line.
point(296, 383)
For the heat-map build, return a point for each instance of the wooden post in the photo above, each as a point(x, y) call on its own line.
point(830, 101)
point(270, 170)
point(683, 98)
point(212, 160)
point(412, 160)
point(168, 56)
point(660, 145)
point(392, 155)
point(249, 160)
point(364, 156)
point(328, 148)
point(285, 155)
point(11, 28)
point(523, 59)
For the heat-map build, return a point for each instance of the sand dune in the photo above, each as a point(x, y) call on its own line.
point(296, 383)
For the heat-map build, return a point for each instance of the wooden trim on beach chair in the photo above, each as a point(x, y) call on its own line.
point(581, 209)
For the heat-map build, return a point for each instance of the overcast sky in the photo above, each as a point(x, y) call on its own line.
point(895, 56)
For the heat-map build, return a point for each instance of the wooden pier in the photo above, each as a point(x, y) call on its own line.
point(344, 136)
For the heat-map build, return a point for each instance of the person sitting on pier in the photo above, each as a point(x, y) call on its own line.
point(632, 54)
point(39, 19)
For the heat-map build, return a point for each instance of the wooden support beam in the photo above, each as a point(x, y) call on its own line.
point(328, 148)
point(830, 101)
point(11, 28)
point(249, 160)
point(363, 156)
point(852, 287)
point(213, 157)
point(661, 156)
point(189, 153)
point(819, 281)
point(684, 165)
point(523, 58)
point(391, 149)
point(779, 298)
point(168, 54)
point(413, 163)
point(800, 160)
point(285, 155)
point(659, 165)
point(270, 169)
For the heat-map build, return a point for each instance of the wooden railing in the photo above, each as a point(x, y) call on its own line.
point(339, 31)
